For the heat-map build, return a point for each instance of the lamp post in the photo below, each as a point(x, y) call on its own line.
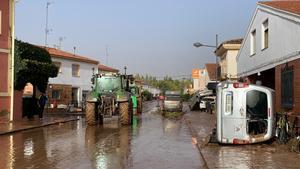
point(198, 44)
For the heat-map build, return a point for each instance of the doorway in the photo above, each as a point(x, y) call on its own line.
point(75, 96)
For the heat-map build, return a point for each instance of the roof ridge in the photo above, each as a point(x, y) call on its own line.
point(67, 55)
point(289, 6)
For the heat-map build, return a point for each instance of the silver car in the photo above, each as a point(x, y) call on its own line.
point(173, 101)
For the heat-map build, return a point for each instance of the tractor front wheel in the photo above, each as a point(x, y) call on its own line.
point(90, 113)
point(124, 116)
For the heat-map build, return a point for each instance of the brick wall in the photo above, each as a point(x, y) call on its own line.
point(5, 31)
point(296, 66)
point(65, 93)
point(4, 60)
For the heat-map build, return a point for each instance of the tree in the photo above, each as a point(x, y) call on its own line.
point(33, 65)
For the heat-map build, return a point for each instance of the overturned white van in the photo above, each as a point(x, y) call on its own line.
point(245, 113)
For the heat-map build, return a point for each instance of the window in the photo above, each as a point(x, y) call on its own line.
point(75, 70)
point(265, 34)
point(257, 104)
point(253, 42)
point(56, 94)
point(84, 95)
point(287, 87)
point(229, 103)
point(58, 65)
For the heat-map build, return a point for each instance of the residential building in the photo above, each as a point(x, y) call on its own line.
point(154, 91)
point(270, 52)
point(102, 69)
point(201, 77)
point(209, 74)
point(196, 79)
point(6, 33)
point(73, 81)
point(227, 52)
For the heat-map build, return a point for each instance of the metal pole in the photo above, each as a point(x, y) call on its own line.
point(216, 58)
point(12, 12)
point(46, 29)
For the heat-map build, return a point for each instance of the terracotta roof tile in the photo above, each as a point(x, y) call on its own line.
point(66, 55)
point(211, 69)
point(289, 6)
point(106, 68)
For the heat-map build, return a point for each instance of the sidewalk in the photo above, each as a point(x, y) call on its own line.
point(202, 124)
point(25, 124)
point(261, 155)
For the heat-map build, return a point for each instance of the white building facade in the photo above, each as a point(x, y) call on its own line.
point(270, 52)
point(73, 81)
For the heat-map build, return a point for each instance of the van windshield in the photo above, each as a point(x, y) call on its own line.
point(257, 104)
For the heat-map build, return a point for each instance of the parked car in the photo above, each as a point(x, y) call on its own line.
point(198, 95)
point(203, 102)
point(245, 113)
point(172, 101)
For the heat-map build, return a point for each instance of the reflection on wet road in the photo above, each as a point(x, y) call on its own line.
point(154, 143)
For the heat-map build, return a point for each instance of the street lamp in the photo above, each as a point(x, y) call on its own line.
point(198, 44)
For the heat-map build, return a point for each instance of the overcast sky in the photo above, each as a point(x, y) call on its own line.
point(152, 37)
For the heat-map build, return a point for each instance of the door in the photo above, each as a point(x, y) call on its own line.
point(75, 96)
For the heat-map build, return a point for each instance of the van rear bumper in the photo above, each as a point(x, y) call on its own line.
point(248, 140)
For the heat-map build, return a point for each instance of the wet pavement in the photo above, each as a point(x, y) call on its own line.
point(263, 155)
point(26, 124)
point(154, 143)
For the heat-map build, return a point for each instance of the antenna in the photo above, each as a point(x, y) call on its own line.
point(60, 40)
point(47, 30)
point(74, 50)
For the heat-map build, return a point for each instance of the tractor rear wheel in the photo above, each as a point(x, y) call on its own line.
point(124, 116)
point(90, 113)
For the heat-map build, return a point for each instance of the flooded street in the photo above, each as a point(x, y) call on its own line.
point(154, 143)
point(269, 155)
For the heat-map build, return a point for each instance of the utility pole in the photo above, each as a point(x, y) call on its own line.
point(217, 44)
point(47, 30)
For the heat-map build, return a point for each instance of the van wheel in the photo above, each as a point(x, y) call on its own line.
point(124, 116)
point(90, 113)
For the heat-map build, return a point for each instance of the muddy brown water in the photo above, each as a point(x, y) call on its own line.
point(155, 143)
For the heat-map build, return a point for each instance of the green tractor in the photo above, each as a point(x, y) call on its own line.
point(111, 94)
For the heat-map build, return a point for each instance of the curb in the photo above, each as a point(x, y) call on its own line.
point(195, 135)
point(39, 126)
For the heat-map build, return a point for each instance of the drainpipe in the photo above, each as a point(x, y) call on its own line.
point(12, 29)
